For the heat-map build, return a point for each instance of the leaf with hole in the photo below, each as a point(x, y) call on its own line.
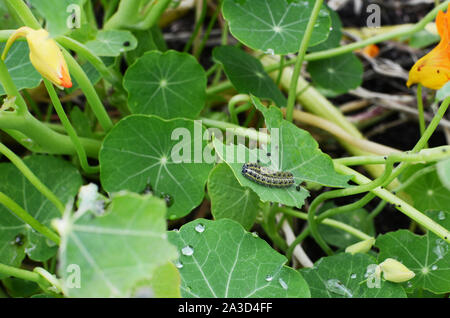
point(139, 155)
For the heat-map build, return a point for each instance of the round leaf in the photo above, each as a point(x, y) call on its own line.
point(220, 259)
point(137, 154)
point(169, 85)
point(339, 74)
point(274, 26)
point(348, 276)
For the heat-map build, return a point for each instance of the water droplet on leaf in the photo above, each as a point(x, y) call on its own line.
point(336, 286)
point(187, 250)
point(200, 228)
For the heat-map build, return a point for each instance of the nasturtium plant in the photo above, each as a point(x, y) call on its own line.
point(220, 148)
point(138, 155)
point(220, 259)
point(17, 238)
point(247, 74)
point(169, 85)
point(274, 27)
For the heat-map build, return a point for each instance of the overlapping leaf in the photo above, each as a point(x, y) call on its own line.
point(137, 155)
point(113, 252)
point(229, 199)
point(112, 43)
point(16, 237)
point(348, 276)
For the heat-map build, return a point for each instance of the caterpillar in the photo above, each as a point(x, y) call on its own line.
point(266, 177)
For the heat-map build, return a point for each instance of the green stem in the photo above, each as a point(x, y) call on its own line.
point(401, 205)
point(89, 91)
point(420, 109)
point(209, 28)
point(197, 27)
point(70, 130)
point(300, 58)
point(232, 106)
point(11, 89)
point(377, 210)
point(21, 273)
point(27, 218)
point(34, 180)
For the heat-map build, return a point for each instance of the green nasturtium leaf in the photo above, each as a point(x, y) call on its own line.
point(18, 238)
point(7, 21)
point(166, 282)
point(422, 39)
point(22, 72)
point(247, 74)
point(148, 40)
point(137, 155)
point(348, 276)
point(112, 43)
point(334, 39)
point(168, 85)
point(357, 218)
point(229, 199)
point(426, 255)
point(339, 74)
point(443, 171)
point(426, 191)
point(59, 14)
point(220, 259)
point(107, 255)
point(274, 26)
point(298, 151)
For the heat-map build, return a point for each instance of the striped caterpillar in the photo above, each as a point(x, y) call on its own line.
point(266, 177)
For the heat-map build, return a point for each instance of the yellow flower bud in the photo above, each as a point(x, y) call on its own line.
point(45, 55)
point(360, 247)
point(395, 271)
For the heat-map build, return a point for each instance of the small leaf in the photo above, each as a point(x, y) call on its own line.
point(137, 156)
point(426, 255)
point(348, 276)
point(112, 43)
point(247, 74)
point(339, 74)
point(223, 260)
point(22, 72)
point(276, 26)
point(113, 252)
point(229, 199)
point(169, 85)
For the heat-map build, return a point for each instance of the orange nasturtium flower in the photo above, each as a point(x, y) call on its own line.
point(433, 70)
point(45, 55)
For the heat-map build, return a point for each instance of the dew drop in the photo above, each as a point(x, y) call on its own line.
point(335, 286)
point(353, 276)
point(270, 51)
point(187, 250)
point(269, 278)
point(283, 284)
point(323, 13)
point(434, 267)
point(179, 265)
point(200, 228)
point(409, 284)
point(441, 216)
point(255, 234)
point(440, 249)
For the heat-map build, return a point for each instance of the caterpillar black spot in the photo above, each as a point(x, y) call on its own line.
point(266, 177)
